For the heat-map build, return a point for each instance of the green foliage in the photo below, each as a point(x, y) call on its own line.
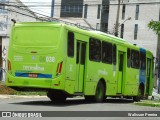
point(148, 103)
point(8, 91)
point(40, 93)
point(155, 26)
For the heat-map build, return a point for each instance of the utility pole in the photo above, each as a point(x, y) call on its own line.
point(158, 55)
point(52, 8)
point(117, 19)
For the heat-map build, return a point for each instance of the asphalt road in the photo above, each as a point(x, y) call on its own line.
point(75, 104)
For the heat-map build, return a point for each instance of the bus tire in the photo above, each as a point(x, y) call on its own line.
point(136, 99)
point(100, 93)
point(57, 97)
point(139, 96)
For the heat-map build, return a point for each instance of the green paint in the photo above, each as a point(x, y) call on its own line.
point(41, 47)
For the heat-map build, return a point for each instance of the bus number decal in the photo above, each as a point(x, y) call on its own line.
point(70, 67)
point(18, 58)
point(50, 59)
point(36, 67)
point(102, 72)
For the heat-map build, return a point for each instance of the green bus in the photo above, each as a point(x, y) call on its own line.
point(67, 61)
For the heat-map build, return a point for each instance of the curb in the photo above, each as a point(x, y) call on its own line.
point(21, 96)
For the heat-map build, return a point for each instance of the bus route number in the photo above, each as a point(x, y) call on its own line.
point(50, 59)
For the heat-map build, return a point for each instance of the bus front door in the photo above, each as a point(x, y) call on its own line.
point(80, 66)
point(120, 72)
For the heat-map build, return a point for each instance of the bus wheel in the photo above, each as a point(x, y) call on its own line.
point(139, 96)
point(100, 92)
point(56, 96)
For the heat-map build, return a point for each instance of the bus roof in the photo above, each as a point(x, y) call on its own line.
point(108, 35)
point(76, 28)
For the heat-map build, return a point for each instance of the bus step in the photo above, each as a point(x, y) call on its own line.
point(78, 94)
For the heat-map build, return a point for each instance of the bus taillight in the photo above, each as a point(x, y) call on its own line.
point(9, 67)
point(59, 68)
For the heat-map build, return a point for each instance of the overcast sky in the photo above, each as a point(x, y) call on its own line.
point(45, 10)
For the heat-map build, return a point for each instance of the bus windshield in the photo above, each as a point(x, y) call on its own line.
point(36, 36)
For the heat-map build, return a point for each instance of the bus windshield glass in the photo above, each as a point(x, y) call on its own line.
point(36, 36)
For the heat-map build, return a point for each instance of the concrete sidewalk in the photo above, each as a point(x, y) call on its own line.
point(21, 96)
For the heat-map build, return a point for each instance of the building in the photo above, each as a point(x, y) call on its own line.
point(130, 17)
point(19, 14)
point(89, 11)
point(134, 15)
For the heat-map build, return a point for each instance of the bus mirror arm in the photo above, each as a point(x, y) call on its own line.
point(13, 20)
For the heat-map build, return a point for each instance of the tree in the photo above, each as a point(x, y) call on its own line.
point(155, 26)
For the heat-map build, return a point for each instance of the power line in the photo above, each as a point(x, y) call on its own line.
point(46, 18)
point(49, 19)
point(49, 5)
point(21, 13)
point(35, 9)
point(25, 9)
point(93, 1)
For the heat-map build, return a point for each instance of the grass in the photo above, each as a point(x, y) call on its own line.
point(30, 93)
point(151, 103)
point(9, 91)
point(6, 90)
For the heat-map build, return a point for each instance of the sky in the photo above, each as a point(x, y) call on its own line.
point(42, 6)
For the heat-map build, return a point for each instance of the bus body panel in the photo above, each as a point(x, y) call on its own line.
point(48, 65)
point(149, 73)
point(24, 82)
point(142, 78)
point(132, 77)
point(33, 56)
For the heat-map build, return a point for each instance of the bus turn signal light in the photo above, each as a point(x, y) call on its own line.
point(59, 68)
point(9, 67)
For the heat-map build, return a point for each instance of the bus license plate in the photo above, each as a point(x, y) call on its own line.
point(32, 75)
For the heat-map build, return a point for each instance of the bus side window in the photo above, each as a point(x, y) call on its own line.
point(94, 50)
point(114, 54)
point(135, 59)
point(106, 52)
point(132, 59)
point(128, 58)
point(143, 61)
point(70, 49)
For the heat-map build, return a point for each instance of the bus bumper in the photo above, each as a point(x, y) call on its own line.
point(26, 82)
